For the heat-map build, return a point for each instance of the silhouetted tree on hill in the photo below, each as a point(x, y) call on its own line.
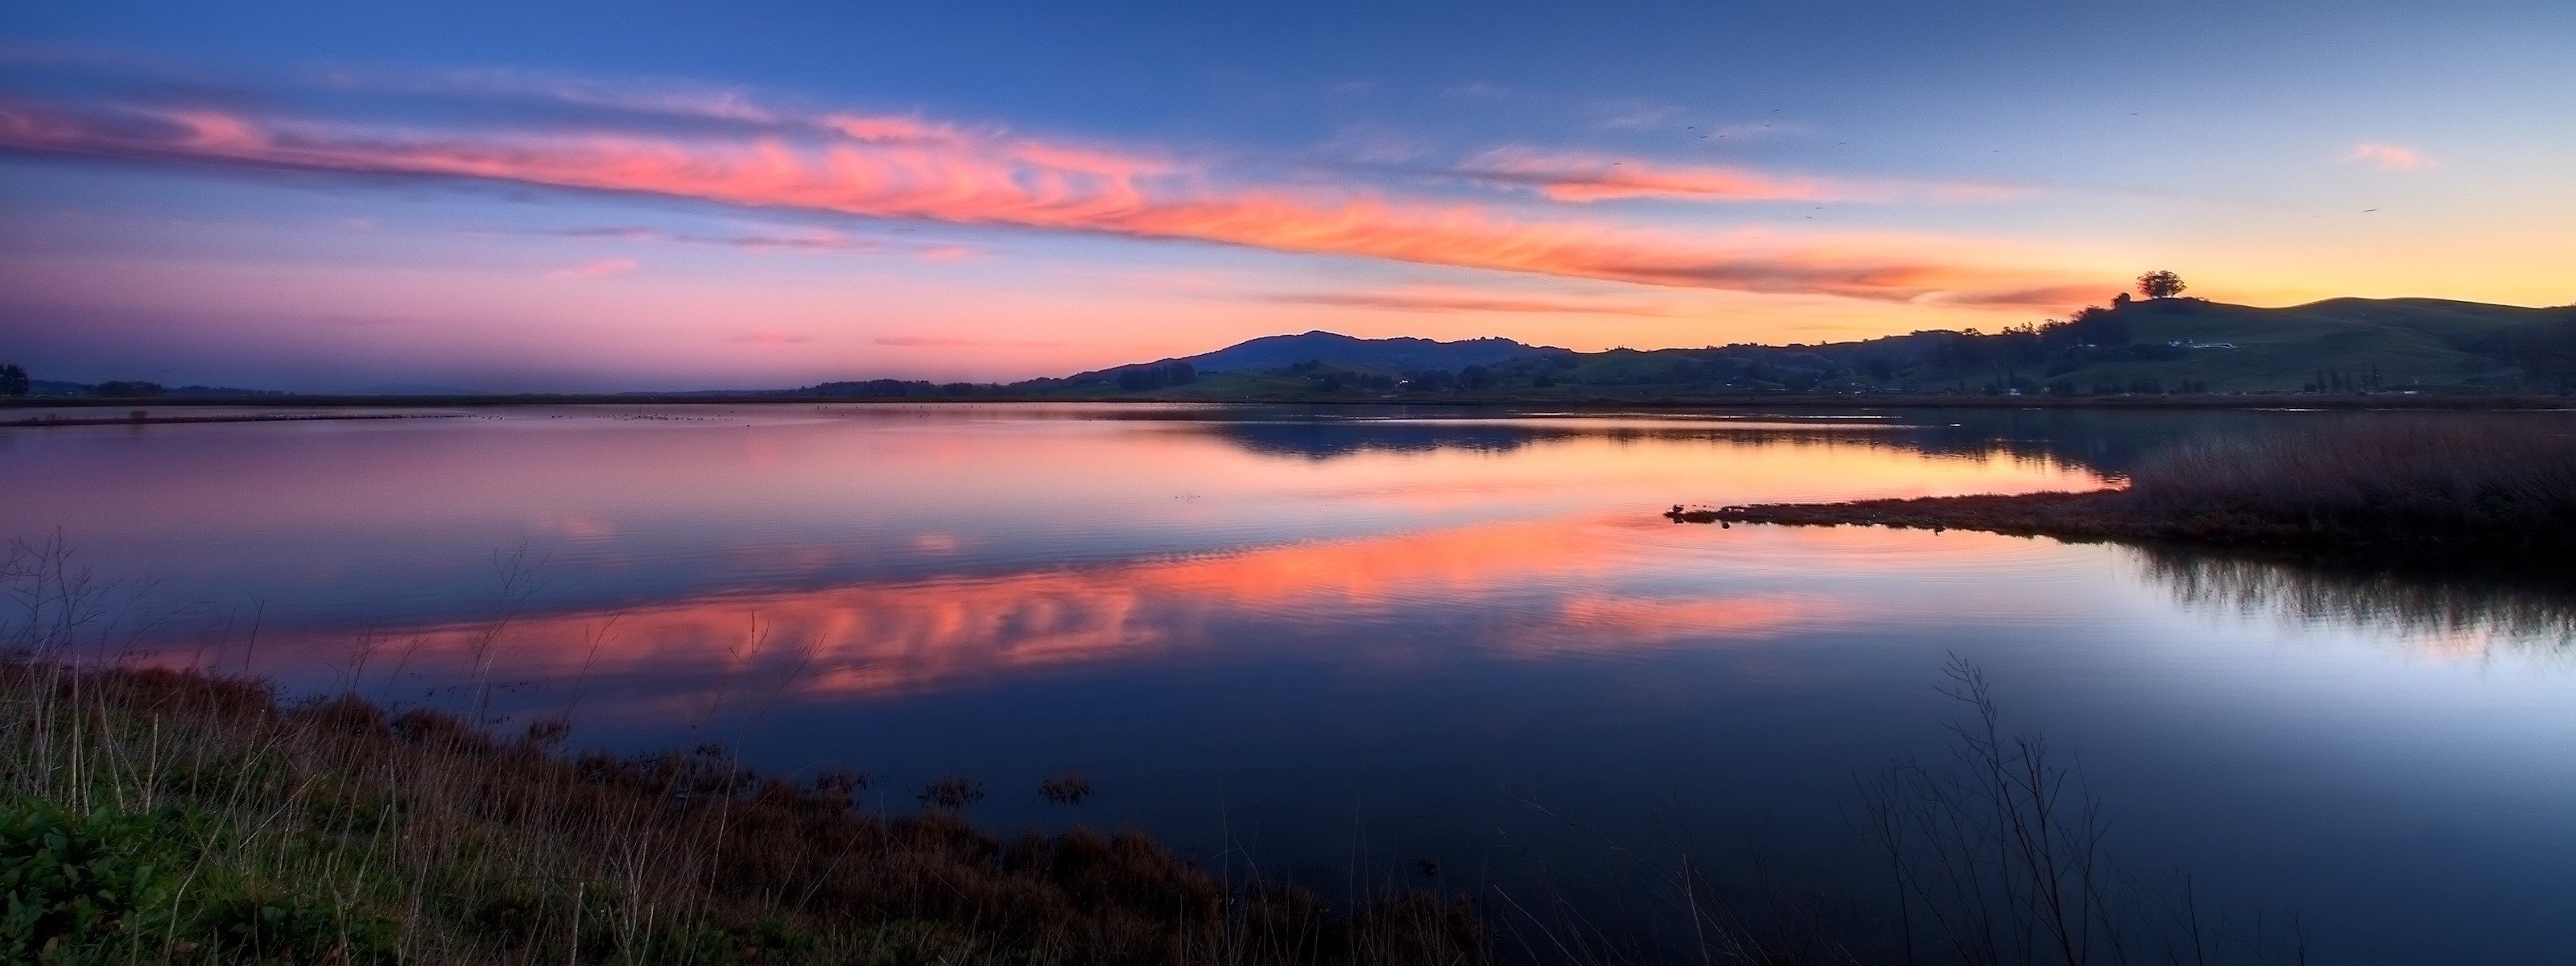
point(13, 380)
point(2160, 285)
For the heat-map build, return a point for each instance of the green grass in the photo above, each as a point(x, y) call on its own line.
point(2407, 341)
point(153, 816)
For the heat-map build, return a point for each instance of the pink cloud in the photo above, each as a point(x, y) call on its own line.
point(911, 169)
point(1576, 176)
point(596, 268)
point(1439, 300)
point(948, 341)
point(770, 337)
point(2043, 297)
point(2390, 157)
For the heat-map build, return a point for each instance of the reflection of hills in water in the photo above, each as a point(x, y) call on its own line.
point(2528, 606)
point(2106, 442)
point(1322, 439)
point(1975, 436)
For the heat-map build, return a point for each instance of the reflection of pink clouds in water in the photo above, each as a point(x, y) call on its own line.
point(884, 638)
point(1601, 623)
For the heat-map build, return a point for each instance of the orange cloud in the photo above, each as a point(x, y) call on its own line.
point(1576, 176)
point(1456, 301)
point(2390, 157)
point(906, 168)
point(906, 635)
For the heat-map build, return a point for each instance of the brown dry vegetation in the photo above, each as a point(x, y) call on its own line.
point(181, 817)
point(2398, 486)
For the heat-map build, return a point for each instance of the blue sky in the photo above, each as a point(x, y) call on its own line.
point(1824, 171)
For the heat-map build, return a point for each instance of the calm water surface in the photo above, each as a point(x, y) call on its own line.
point(1327, 639)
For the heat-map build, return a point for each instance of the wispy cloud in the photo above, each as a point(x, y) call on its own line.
point(2037, 297)
point(950, 341)
point(900, 167)
point(771, 337)
point(816, 240)
point(1373, 144)
point(2390, 157)
point(596, 268)
point(1760, 131)
point(1577, 176)
point(1457, 301)
point(1636, 114)
point(678, 100)
point(810, 241)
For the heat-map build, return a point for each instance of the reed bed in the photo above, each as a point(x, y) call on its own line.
point(2396, 487)
point(159, 815)
point(151, 815)
point(2396, 482)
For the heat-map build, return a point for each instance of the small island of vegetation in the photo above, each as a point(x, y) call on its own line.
point(2393, 487)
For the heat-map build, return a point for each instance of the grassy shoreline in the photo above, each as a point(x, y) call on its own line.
point(2402, 488)
point(1602, 401)
point(158, 816)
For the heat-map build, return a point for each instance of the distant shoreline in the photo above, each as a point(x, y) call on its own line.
point(2283, 401)
point(149, 420)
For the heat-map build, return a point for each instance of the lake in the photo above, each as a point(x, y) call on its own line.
point(1333, 643)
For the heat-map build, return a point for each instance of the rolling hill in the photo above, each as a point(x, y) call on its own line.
point(1392, 357)
point(2151, 346)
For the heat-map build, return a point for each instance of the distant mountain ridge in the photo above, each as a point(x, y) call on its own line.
point(2130, 347)
point(1393, 356)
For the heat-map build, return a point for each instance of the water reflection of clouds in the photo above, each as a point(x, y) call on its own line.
point(1325, 439)
point(1544, 589)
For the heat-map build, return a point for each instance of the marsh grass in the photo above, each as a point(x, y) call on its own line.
point(2002, 856)
point(151, 815)
point(2395, 482)
point(2391, 488)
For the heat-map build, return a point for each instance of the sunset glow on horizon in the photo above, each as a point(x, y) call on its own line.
point(524, 198)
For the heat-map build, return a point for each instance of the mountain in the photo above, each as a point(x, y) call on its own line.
point(1390, 357)
point(2130, 347)
point(1398, 355)
point(409, 389)
point(53, 387)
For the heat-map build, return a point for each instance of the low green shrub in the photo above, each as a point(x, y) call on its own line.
point(124, 887)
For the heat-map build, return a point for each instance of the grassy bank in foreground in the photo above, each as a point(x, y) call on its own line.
point(2396, 487)
point(151, 816)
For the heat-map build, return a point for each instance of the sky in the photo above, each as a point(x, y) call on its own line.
point(589, 196)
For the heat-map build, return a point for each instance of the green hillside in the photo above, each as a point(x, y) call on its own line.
point(2368, 343)
point(2147, 347)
